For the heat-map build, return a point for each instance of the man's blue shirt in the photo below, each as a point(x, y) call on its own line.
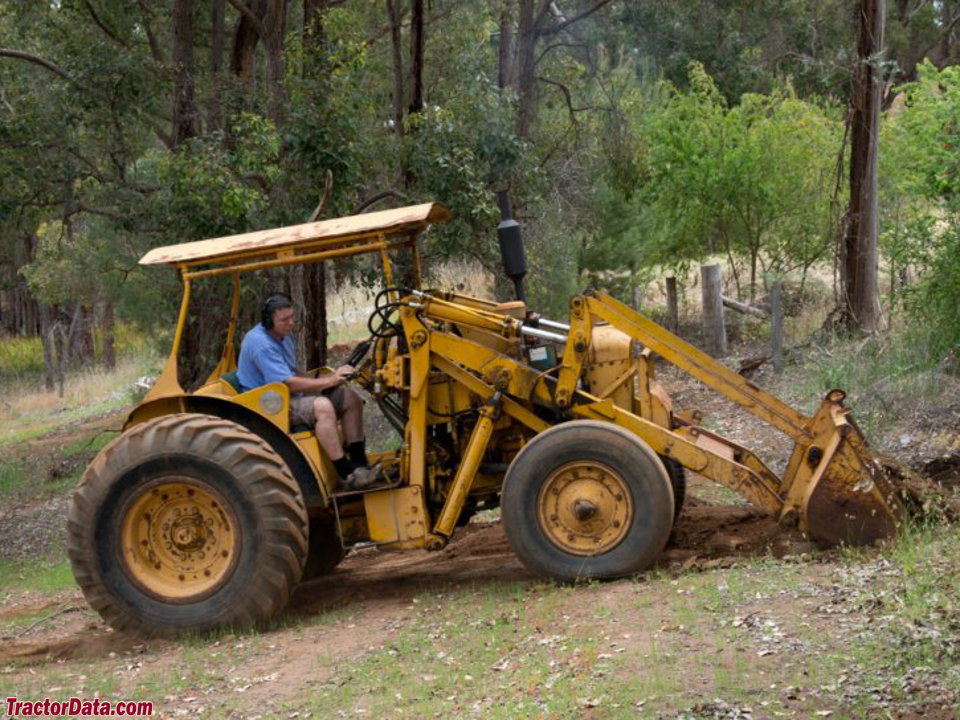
point(264, 359)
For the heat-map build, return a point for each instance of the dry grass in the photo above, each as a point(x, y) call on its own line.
point(349, 305)
point(463, 276)
point(30, 411)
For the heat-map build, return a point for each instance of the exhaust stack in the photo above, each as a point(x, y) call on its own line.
point(511, 245)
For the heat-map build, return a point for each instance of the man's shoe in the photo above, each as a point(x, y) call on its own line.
point(360, 479)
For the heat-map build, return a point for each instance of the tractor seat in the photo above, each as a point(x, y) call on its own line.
point(232, 380)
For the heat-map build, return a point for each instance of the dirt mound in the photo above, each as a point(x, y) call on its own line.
point(709, 532)
point(930, 493)
point(944, 472)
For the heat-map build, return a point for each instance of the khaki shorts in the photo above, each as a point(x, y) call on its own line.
point(301, 406)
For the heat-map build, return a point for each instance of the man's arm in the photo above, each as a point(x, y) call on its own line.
point(300, 384)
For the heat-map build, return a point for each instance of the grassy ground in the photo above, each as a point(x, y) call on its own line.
point(865, 636)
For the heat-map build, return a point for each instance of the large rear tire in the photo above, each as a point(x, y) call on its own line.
point(187, 523)
point(587, 499)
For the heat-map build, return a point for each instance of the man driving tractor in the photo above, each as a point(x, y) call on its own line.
point(268, 354)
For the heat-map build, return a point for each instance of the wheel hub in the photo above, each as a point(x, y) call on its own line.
point(189, 533)
point(179, 540)
point(585, 508)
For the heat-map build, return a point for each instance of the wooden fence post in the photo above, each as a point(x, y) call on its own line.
point(714, 331)
point(776, 323)
point(673, 306)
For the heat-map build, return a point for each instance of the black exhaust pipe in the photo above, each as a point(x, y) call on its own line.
point(511, 246)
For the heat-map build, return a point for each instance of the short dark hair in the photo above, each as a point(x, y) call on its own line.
point(277, 301)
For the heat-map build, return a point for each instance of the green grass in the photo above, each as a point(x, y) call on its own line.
point(13, 478)
point(14, 433)
point(46, 576)
point(20, 358)
point(25, 476)
point(94, 444)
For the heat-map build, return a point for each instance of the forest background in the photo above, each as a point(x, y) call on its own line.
point(634, 136)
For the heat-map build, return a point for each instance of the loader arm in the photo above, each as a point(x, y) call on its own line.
point(833, 488)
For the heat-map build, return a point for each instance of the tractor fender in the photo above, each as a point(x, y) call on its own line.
point(314, 493)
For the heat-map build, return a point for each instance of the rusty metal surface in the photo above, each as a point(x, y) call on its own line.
point(852, 504)
point(388, 222)
point(838, 514)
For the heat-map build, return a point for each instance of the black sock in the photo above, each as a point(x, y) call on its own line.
point(344, 467)
point(357, 451)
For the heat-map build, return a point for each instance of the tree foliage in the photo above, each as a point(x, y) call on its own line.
point(629, 134)
point(750, 181)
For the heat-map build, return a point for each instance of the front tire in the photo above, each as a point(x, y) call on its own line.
point(587, 499)
point(187, 523)
point(678, 481)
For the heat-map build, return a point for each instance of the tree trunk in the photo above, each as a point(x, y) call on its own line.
point(393, 16)
point(859, 271)
point(58, 341)
point(673, 306)
point(26, 308)
point(776, 323)
point(416, 56)
point(109, 335)
point(46, 337)
point(245, 39)
point(314, 329)
point(275, 24)
point(946, 19)
point(526, 67)
point(186, 120)
point(315, 300)
point(313, 36)
point(505, 53)
point(218, 31)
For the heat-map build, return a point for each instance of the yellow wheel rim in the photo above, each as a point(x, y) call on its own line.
point(180, 540)
point(585, 508)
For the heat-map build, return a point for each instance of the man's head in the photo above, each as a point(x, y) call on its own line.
point(276, 314)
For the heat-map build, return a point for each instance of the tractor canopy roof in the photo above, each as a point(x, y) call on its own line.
point(310, 242)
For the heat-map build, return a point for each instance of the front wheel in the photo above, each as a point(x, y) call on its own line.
point(678, 481)
point(187, 523)
point(587, 499)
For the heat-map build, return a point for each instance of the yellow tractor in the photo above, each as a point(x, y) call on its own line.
point(209, 509)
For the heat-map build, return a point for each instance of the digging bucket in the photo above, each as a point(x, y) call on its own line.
point(839, 494)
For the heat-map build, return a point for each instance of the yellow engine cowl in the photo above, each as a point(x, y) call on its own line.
point(610, 369)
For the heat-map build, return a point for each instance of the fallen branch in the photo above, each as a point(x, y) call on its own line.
point(743, 307)
point(31, 626)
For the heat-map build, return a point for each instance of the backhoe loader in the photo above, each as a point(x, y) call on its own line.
point(209, 509)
